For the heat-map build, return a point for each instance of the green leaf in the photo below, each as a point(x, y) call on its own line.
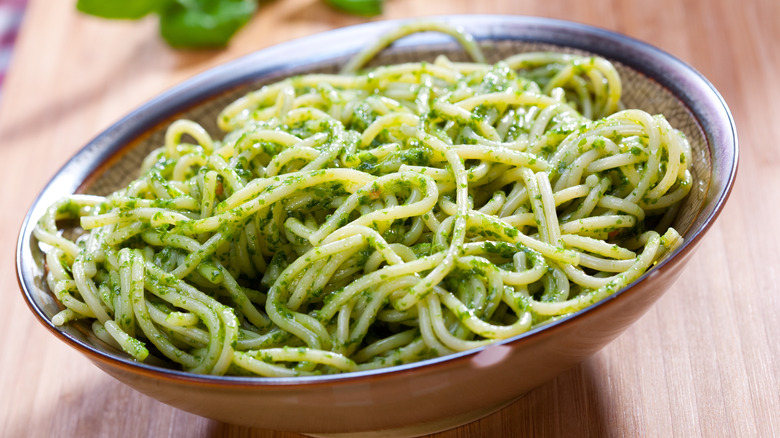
point(360, 7)
point(118, 9)
point(204, 23)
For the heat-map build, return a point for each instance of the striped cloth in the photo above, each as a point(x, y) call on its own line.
point(11, 12)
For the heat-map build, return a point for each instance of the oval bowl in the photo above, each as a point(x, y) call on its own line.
point(427, 396)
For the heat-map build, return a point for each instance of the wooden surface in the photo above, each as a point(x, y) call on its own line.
point(705, 361)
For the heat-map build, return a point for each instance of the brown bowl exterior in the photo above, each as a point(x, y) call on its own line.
point(435, 394)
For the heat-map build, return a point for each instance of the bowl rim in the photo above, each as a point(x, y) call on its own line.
point(687, 84)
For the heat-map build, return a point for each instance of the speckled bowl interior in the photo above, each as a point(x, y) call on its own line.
point(356, 403)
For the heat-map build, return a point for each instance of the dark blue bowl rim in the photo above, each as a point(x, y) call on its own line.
point(691, 87)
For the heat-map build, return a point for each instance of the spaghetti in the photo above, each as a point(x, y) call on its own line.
point(375, 217)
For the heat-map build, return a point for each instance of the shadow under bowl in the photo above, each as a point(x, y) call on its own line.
point(435, 394)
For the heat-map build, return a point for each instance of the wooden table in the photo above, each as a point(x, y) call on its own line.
point(704, 361)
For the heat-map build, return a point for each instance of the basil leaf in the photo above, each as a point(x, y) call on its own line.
point(118, 9)
point(359, 7)
point(204, 23)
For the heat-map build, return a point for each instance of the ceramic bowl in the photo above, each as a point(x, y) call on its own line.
point(434, 394)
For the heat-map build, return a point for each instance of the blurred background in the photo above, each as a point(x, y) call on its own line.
point(11, 12)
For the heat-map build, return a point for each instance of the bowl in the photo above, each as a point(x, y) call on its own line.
point(435, 394)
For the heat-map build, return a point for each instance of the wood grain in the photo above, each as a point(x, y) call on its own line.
point(705, 361)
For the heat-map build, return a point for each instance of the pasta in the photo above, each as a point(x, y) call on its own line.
point(376, 217)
